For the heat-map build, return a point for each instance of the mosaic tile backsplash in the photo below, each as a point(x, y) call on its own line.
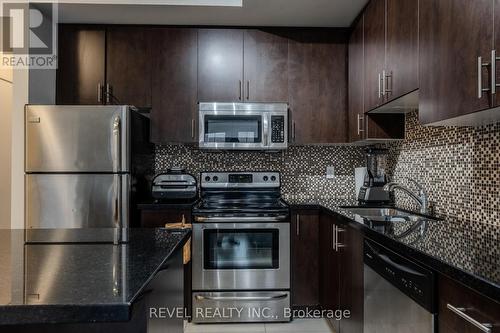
point(458, 166)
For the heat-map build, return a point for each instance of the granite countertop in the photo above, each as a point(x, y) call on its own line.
point(467, 252)
point(152, 204)
point(50, 283)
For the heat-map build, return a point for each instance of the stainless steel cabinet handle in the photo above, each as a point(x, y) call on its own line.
point(293, 130)
point(338, 245)
point(334, 236)
point(480, 66)
point(248, 89)
point(297, 222)
point(192, 128)
point(108, 93)
point(485, 327)
point(385, 88)
point(360, 119)
point(240, 298)
point(379, 86)
point(494, 83)
point(240, 88)
point(99, 93)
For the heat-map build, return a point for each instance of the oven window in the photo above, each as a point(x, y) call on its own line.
point(233, 129)
point(241, 249)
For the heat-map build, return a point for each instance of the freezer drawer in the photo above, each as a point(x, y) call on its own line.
point(77, 207)
point(77, 138)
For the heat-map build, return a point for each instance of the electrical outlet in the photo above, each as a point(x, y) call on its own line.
point(330, 172)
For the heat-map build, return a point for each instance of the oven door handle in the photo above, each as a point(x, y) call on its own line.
point(279, 218)
point(243, 298)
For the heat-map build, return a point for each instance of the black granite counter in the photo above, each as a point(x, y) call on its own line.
point(467, 252)
point(161, 205)
point(54, 283)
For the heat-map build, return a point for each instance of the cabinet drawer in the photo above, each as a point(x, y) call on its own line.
point(460, 307)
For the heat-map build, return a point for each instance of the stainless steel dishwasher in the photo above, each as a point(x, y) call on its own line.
point(399, 294)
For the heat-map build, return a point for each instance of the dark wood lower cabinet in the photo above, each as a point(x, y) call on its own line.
point(454, 296)
point(305, 262)
point(341, 273)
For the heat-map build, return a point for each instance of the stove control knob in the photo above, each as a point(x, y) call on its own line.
point(273, 178)
point(265, 178)
point(207, 178)
point(215, 178)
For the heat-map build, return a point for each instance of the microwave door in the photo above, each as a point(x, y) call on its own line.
point(76, 139)
point(233, 130)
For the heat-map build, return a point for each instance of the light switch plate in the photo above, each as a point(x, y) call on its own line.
point(330, 172)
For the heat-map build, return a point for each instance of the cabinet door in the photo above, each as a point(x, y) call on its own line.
point(496, 47)
point(355, 82)
point(174, 99)
point(305, 262)
point(220, 65)
point(265, 66)
point(374, 27)
point(318, 87)
point(452, 35)
point(351, 279)
point(128, 66)
point(329, 268)
point(80, 72)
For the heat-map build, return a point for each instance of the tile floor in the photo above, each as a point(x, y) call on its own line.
point(296, 326)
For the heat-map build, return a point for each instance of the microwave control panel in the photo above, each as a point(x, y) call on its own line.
point(277, 129)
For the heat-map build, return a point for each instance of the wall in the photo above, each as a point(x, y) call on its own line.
point(6, 91)
point(303, 168)
point(459, 167)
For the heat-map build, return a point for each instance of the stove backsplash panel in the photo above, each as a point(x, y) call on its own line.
point(302, 168)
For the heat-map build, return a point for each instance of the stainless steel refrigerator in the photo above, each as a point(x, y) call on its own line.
point(84, 166)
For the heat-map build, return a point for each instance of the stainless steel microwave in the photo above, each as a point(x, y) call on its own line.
point(243, 126)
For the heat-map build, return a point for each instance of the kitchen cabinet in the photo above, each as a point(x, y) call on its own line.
point(80, 73)
point(242, 65)
point(305, 263)
point(174, 116)
point(317, 76)
point(460, 306)
point(265, 66)
point(366, 126)
point(341, 272)
point(220, 65)
point(391, 51)
point(128, 66)
point(455, 36)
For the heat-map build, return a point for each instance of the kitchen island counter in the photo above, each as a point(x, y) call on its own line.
point(78, 283)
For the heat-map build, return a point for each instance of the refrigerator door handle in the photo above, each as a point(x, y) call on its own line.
point(117, 209)
point(118, 140)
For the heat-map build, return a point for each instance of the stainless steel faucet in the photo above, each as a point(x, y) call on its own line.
point(422, 198)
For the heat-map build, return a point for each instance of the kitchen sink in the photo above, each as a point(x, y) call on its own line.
point(385, 214)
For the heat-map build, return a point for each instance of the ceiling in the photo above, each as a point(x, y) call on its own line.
point(293, 13)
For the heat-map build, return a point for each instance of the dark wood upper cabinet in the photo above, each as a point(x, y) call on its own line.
point(452, 35)
point(305, 262)
point(374, 53)
point(265, 66)
point(355, 82)
point(174, 92)
point(80, 73)
point(220, 65)
point(128, 66)
point(401, 61)
point(317, 74)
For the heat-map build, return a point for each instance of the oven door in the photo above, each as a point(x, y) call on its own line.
point(241, 256)
point(243, 130)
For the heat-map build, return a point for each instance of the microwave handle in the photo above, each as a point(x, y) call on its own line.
point(266, 130)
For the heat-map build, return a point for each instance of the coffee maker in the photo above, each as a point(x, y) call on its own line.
point(372, 191)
